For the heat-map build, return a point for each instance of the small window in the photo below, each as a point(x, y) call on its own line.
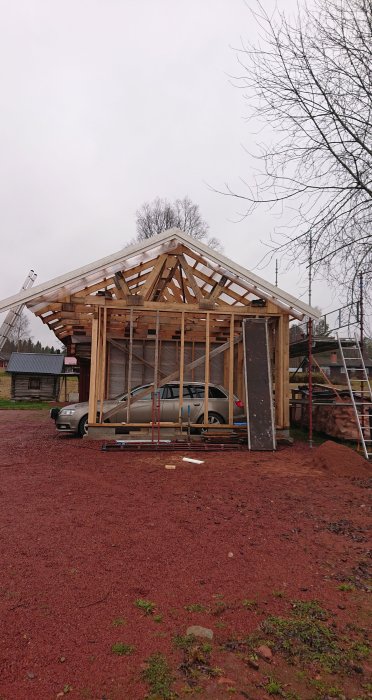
point(215, 393)
point(34, 383)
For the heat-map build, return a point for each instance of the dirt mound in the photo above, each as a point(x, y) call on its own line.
point(340, 460)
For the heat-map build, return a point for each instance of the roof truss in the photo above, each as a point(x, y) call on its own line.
point(172, 270)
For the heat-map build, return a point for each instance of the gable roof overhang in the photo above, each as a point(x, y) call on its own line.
point(212, 264)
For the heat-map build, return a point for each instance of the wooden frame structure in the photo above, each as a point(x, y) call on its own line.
point(176, 295)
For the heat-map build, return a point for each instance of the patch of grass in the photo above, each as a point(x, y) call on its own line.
point(158, 618)
point(346, 587)
point(273, 687)
point(196, 607)
point(146, 605)
point(121, 649)
point(118, 622)
point(359, 651)
point(310, 609)
point(323, 690)
point(305, 640)
point(196, 656)
point(159, 678)
point(9, 405)
point(219, 606)
point(249, 604)
point(188, 690)
point(278, 594)
point(184, 642)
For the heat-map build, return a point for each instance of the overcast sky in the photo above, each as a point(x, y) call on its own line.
point(105, 104)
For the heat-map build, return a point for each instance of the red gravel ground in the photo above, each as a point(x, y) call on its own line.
point(85, 533)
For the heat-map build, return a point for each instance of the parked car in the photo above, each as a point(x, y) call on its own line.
point(74, 418)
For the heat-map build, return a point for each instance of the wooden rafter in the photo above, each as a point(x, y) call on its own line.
point(147, 290)
point(189, 272)
point(121, 285)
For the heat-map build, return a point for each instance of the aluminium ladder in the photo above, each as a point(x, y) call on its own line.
point(362, 407)
point(14, 314)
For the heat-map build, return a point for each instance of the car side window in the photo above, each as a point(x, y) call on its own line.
point(172, 391)
point(146, 397)
point(215, 393)
point(197, 391)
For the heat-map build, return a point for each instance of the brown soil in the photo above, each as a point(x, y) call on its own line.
point(340, 460)
point(85, 533)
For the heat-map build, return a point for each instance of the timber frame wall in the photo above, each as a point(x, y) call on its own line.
point(220, 329)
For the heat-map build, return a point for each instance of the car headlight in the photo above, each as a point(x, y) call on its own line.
point(67, 412)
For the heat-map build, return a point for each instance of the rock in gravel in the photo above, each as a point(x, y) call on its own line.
point(265, 653)
point(198, 631)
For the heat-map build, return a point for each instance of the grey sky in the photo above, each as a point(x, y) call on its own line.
point(105, 104)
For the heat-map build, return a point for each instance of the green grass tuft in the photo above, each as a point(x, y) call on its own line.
point(146, 605)
point(121, 649)
point(159, 678)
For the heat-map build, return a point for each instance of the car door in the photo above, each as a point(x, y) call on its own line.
point(140, 411)
point(170, 403)
point(197, 402)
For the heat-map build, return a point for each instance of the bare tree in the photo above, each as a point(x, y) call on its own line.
point(20, 330)
point(310, 79)
point(158, 216)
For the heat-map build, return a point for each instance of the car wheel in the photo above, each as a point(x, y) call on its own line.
point(213, 419)
point(83, 426)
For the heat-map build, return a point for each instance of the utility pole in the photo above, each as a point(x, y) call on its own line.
point(310, 344)
point(361, 311)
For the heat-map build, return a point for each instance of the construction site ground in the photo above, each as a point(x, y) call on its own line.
point(108, 558)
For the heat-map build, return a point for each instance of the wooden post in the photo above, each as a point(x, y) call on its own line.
point(108, 371)
point(206, 368)
point(182, 365)
point(240, 371)
point(130, 359)
point(279, 373)
point(285, 364)
point(156, 360)
point(231, 371)
point(102, 368)
point(92, 410)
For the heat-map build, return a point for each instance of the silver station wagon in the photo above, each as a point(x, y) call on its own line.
point(74, 418)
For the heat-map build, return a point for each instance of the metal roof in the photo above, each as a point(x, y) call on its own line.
point(35, 363)
point(132, 255)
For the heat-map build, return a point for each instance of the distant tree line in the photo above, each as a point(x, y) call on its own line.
point(28, 345)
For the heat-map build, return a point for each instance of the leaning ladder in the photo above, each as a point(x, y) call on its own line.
point(360, 407)
point(12, 315)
